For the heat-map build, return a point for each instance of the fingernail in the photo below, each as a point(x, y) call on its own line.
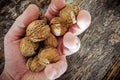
point(70, 51)
point(71, 43)
point(70, 40)
point(83, 20)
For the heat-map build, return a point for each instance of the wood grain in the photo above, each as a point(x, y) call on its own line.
point(99, 55)
point(100, 43)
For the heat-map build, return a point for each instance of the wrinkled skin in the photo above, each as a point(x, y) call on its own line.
point(15, 68)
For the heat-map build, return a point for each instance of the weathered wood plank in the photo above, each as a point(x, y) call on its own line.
point(99, 55)
point(114, 71)
point(100, 43)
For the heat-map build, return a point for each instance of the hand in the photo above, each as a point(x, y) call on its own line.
point(15, 68)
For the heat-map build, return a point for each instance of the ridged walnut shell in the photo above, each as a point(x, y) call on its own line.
point(51, 41)
point(34, 65)
point(38, 30)
point(27, 47)
point(58, 26)
point(69, 13)
point(49, 55)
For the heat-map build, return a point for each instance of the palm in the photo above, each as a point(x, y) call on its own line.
point(15, 62)
point(16, 66)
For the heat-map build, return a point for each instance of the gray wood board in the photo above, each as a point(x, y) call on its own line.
point(100, 43)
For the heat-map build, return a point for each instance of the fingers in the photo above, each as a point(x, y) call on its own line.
point(18, 28)
point(69, 44)
point(54, 8)
point(83, 22)
point(55, 70)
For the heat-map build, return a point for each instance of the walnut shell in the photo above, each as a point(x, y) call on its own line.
point(69, 13)
point(58, 26)
point(38, 30)
point(51, 41)
point(34, 65)
point(50, 54)
point(28, 63)
point(27, 47)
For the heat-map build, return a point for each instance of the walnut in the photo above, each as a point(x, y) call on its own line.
point(69, 13)
point(51, 41)
point(45, 57)
point(27, 47)
point(49, 55)
point(34, 65)
point(38, 30)
point(67, 17)
point(58, 26)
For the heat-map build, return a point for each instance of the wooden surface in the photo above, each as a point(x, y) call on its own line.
point(99, 55)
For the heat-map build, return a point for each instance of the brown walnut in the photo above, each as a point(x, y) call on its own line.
point(58, 26)
point(69, 13)
point(51, 41)
point(38, 30)
point(27, 47)
point(34, 65)
point(49, 54)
